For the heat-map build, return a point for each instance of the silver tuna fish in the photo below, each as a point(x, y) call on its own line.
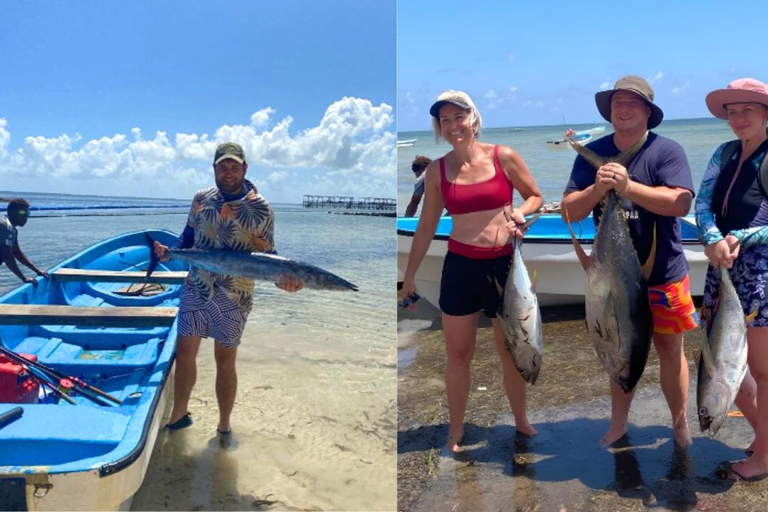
point(255, 265)
point(520, 318)
point(723, 358)
point(618, 314)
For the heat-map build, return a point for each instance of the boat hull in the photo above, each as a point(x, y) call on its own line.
point(87, 456)
point(560, 279)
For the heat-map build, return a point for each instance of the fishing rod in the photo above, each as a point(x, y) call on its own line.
point(9, 417)
point(88, 391)
point(57, 391)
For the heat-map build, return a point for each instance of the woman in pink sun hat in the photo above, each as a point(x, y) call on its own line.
point(732, 210)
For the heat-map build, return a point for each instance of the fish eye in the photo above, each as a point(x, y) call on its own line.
point(703, 411)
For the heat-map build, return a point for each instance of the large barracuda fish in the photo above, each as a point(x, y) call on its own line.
point(255, 265)
point(618, 313)
point(520, 318)
point(723, 358)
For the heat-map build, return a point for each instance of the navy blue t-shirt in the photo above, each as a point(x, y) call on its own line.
point(660, 162)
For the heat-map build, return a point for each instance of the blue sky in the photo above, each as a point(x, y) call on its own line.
point(130, 98)
point(535, 63)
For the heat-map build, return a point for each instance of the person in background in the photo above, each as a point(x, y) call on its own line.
point(10, 252)
point(419, 166)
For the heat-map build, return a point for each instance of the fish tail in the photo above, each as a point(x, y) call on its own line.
point(582, 255)
point(153, 259)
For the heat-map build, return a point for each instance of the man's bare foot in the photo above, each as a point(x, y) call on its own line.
point(454, 441)
point(527, 429)
point(683, 436)
point(613, 435)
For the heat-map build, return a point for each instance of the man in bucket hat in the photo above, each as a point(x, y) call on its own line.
point(232, 215)
point(655, 188)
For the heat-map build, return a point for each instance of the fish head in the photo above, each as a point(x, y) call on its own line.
point(530, 371)
point(527, 360)
point(713, 402)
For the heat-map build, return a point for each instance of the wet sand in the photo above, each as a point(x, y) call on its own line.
point(314, 429)
point(563, 467)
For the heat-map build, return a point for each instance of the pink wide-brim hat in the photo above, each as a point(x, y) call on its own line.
point(743, 90)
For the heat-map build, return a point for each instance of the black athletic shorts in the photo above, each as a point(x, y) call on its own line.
point(469, 285)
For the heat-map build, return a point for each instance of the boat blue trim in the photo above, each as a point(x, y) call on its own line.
point(549, 229)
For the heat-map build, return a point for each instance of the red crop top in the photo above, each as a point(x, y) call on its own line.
point(476, 197)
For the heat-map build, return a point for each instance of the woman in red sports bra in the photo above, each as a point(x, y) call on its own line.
point(475, 182)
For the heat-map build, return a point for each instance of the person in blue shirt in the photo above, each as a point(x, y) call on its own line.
point(732, 211)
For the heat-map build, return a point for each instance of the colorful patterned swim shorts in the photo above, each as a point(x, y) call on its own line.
point(218, 318)
point(672, 307)
point(750, 278)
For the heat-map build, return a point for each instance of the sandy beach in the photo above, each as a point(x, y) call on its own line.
point(563, 468)
point(306, 439)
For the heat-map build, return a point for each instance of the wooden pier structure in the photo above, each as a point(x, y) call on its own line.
point(353, 205)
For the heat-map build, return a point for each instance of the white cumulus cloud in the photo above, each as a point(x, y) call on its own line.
point(353, 142)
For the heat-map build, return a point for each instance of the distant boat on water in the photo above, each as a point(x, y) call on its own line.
point(580, 137)
point(406, 143)
point(515, 129)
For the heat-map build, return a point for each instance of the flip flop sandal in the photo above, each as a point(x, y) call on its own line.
point(725, 471)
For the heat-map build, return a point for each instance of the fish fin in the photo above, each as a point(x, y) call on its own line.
point(707, 358)
point(610, 322)
point(697, 355)
point(535, 277)
point(587, 154)
point(153, 259)
point(498, 287)
point(647, 268)
point(751, 317)
point(580, 253)
point(706, 313)
point(628, 154)
point(530, 222)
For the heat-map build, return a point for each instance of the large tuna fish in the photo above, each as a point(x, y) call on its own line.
point(520, 318)
point(723, 359)
point(618, 314)
point(255, 265)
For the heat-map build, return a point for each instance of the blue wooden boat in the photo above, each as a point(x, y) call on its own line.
point(547, 249)
point(88, 321)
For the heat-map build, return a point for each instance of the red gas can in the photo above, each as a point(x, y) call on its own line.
point(16, 384)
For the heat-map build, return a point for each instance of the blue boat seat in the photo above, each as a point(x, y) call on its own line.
point(87, 301)
point(72, 354)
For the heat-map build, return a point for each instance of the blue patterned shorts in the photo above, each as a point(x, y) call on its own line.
point(750, 276)
point(218, 318)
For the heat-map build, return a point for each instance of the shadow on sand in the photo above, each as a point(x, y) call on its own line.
point(646, 466)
